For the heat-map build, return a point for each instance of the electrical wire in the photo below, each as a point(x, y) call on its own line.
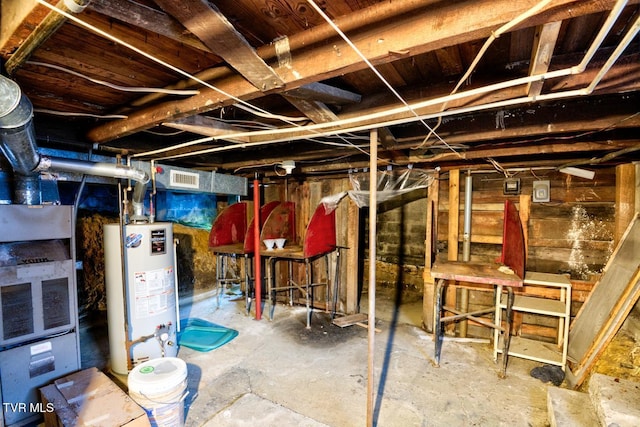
point(312, 129)
point(580, 135)
point(241, 103)
point(376, 72)
point(480, 54)
point(152, 132)
point(71, 114)
point(174, 147)
point(262, 165)
point(114, 86)
point(499, 168)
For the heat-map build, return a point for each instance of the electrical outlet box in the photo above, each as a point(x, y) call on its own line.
point(541, 191)
point(511, 187)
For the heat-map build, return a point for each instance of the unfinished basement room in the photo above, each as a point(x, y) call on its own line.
point(320, 213)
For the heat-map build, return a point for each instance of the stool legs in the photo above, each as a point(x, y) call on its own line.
point(248, 285)
point(507, 331)
point(309, 290)
point(438, 326)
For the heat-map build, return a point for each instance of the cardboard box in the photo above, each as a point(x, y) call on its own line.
point(90, 398)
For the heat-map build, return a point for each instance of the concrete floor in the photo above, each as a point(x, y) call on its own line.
point(278, 373)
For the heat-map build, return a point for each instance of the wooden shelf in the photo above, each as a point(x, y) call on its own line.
point(551, 353)
point(536, 305)
point(534, 350)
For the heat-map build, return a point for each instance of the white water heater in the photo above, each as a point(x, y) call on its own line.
point(141, 293)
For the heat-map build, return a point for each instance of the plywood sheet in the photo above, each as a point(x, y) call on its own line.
point(611, 298)
point(350, 320)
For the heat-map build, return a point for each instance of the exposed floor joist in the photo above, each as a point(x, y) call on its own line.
point(320, 63)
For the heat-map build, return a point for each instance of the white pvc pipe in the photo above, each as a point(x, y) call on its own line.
point(316, 129)
point(176, 282)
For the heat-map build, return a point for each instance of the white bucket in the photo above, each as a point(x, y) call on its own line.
point(159, 386)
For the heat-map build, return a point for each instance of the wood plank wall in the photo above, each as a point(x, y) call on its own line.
point(571, 234)
point(307, 195)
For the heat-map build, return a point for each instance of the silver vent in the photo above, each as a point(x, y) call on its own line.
point(182, 179)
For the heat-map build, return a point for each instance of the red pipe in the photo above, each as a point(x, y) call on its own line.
point(256, 258)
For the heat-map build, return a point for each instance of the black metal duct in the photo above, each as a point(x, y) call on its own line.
point(18, 144)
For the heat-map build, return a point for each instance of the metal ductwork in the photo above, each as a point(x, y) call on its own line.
point(17, 141)
point(18, 144)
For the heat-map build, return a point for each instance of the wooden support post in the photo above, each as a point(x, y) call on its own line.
point(373, 218)
point(625, 198)
point(430, 248)
point(453, 235)
point(352, 264)
point(525, 213)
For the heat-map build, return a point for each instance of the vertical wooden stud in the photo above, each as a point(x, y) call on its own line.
point(453, 234)
point(431, 241)
point(625, 198)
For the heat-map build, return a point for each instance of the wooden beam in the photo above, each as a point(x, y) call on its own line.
point(204, 126)
point(602, 113)
point(625, 198)
point(387, 140)
point(324, 93)
point(450, 24)
point(523, 151)
point(16, 17)
point(45, 29)
point(310, 101)
point(316, 111)
point(369, 118)
point(431, 247)
point(139, 15)
point(453, 235)
point(352, 262)
point(471, 155)
point(205, 21)
point(543, 46)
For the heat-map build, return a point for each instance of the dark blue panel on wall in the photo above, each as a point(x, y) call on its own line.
point(192, 209)
point(95, 198)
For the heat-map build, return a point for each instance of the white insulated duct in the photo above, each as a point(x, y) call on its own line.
point(18, 144)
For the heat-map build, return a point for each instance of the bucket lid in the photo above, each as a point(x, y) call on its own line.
point(157, 376)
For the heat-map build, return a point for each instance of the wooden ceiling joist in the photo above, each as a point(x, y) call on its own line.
point(324, 93)
point(544, 44)
point(216, 32)
point(139, 15)
point(45, 29)
point(319, 63)
point(204, 126)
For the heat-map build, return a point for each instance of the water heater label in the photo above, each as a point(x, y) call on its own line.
point(133, 240)
point(158, 241)
point(154, 292)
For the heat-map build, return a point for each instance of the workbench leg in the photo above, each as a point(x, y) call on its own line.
point(271, 293)
point(336, 285)
point(307, 269)
point(438, 327)
point(507, 332)
point(327, 287)
point(497, 319)
point(219, 277)
point(248, 286)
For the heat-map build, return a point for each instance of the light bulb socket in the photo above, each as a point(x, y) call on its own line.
point(288, 166)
